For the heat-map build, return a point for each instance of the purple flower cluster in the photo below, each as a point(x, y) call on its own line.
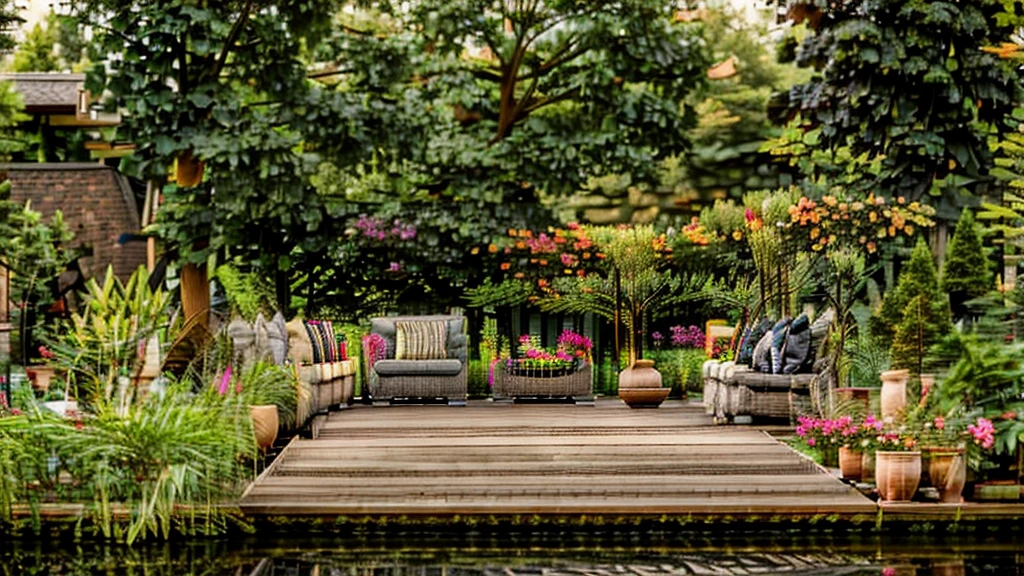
point(692, 337)
point(375, 228)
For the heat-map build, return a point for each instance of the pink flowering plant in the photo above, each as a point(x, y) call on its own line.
point(572, 349)
point(826, 434)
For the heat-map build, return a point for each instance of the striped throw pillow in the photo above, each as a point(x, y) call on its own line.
point(421, 340)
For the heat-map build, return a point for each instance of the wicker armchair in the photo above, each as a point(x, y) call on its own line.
point(445, 377)
point(576, 384)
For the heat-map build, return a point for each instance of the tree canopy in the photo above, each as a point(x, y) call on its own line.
point(903, 98)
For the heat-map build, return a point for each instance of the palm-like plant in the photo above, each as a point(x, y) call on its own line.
point(265, 383)
point(103, 341)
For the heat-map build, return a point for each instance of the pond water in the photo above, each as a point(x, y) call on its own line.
point(419, 554)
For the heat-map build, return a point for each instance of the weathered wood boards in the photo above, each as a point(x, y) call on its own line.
point(491, 459)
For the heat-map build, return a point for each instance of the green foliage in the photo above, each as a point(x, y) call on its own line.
point(681, 369)
point(903, 98)
point(9, 23)
point(263, 383)
point(246, 293)
point(400, 107)
point(918, 278)
point(101, 341)
point(966, 274)
point(37, 52)
point(56, 44)
point(168, 450)
point(925, 321)
point(35, 253)
point(733, 114)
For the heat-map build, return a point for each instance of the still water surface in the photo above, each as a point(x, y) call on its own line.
point(418, 554)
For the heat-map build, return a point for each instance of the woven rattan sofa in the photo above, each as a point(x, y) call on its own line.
point(739, 394)
point(443, 376)
point(576, 384)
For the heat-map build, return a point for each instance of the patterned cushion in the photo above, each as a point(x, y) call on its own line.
point(779, 333)
point(424, 340)
point(762, 360)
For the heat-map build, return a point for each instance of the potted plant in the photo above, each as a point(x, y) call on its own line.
point(272, 392)
point(845, 438)
point(898, 463)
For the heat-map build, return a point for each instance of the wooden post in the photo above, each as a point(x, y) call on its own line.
point(195, 293)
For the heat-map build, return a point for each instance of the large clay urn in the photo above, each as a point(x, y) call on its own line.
point(850, 463)
point(894, 394)
point(640, 385)
point(264, 424)
point(948, 472)
point(897, 475)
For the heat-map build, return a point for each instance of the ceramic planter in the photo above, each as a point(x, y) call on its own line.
point(894, 394)
point(640, 385)
point(41, 376)
point(897, 475)
point(850, 463)
point(948, 472)
point(264, 424)
point(867, 467)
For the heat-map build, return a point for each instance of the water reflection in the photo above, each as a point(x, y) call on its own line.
point(415, 554)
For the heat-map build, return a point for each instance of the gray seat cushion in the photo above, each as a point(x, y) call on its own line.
point(417, 367)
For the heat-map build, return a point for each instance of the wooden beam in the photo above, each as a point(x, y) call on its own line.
point(71, 121)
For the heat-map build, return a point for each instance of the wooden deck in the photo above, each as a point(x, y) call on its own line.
point(505, 460)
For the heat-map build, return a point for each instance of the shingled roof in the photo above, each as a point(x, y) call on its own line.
point(48, 92)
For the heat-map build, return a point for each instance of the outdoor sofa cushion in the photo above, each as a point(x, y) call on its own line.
point(779, 333)
point(762, 361)
point(798, 345)
point(417, 367)
point(456, 345)
point(424, 340)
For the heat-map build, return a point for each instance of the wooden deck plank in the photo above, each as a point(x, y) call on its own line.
point(541, 459)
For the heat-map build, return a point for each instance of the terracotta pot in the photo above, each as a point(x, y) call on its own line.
point(850, 463)
point(264, 424)
point(897, 475)
point(867, 467)
point(40, 377)
point(948, 473)
point(640, 385)
point(894, 394)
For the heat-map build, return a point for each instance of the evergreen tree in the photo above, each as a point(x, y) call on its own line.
point(967, 274)
point(917, 278)
point(925, 321)
point(38, 52)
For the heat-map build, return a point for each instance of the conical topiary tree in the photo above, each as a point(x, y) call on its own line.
point(966, 274)
point(925, 321)
point(918, 277)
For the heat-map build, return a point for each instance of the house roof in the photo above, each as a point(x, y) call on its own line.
point(48, 92)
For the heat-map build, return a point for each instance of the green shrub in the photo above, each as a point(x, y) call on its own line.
point(966, 274)
point(680, 369)
point(478, 372)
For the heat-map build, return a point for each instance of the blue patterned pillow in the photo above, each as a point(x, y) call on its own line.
point(779, 333)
